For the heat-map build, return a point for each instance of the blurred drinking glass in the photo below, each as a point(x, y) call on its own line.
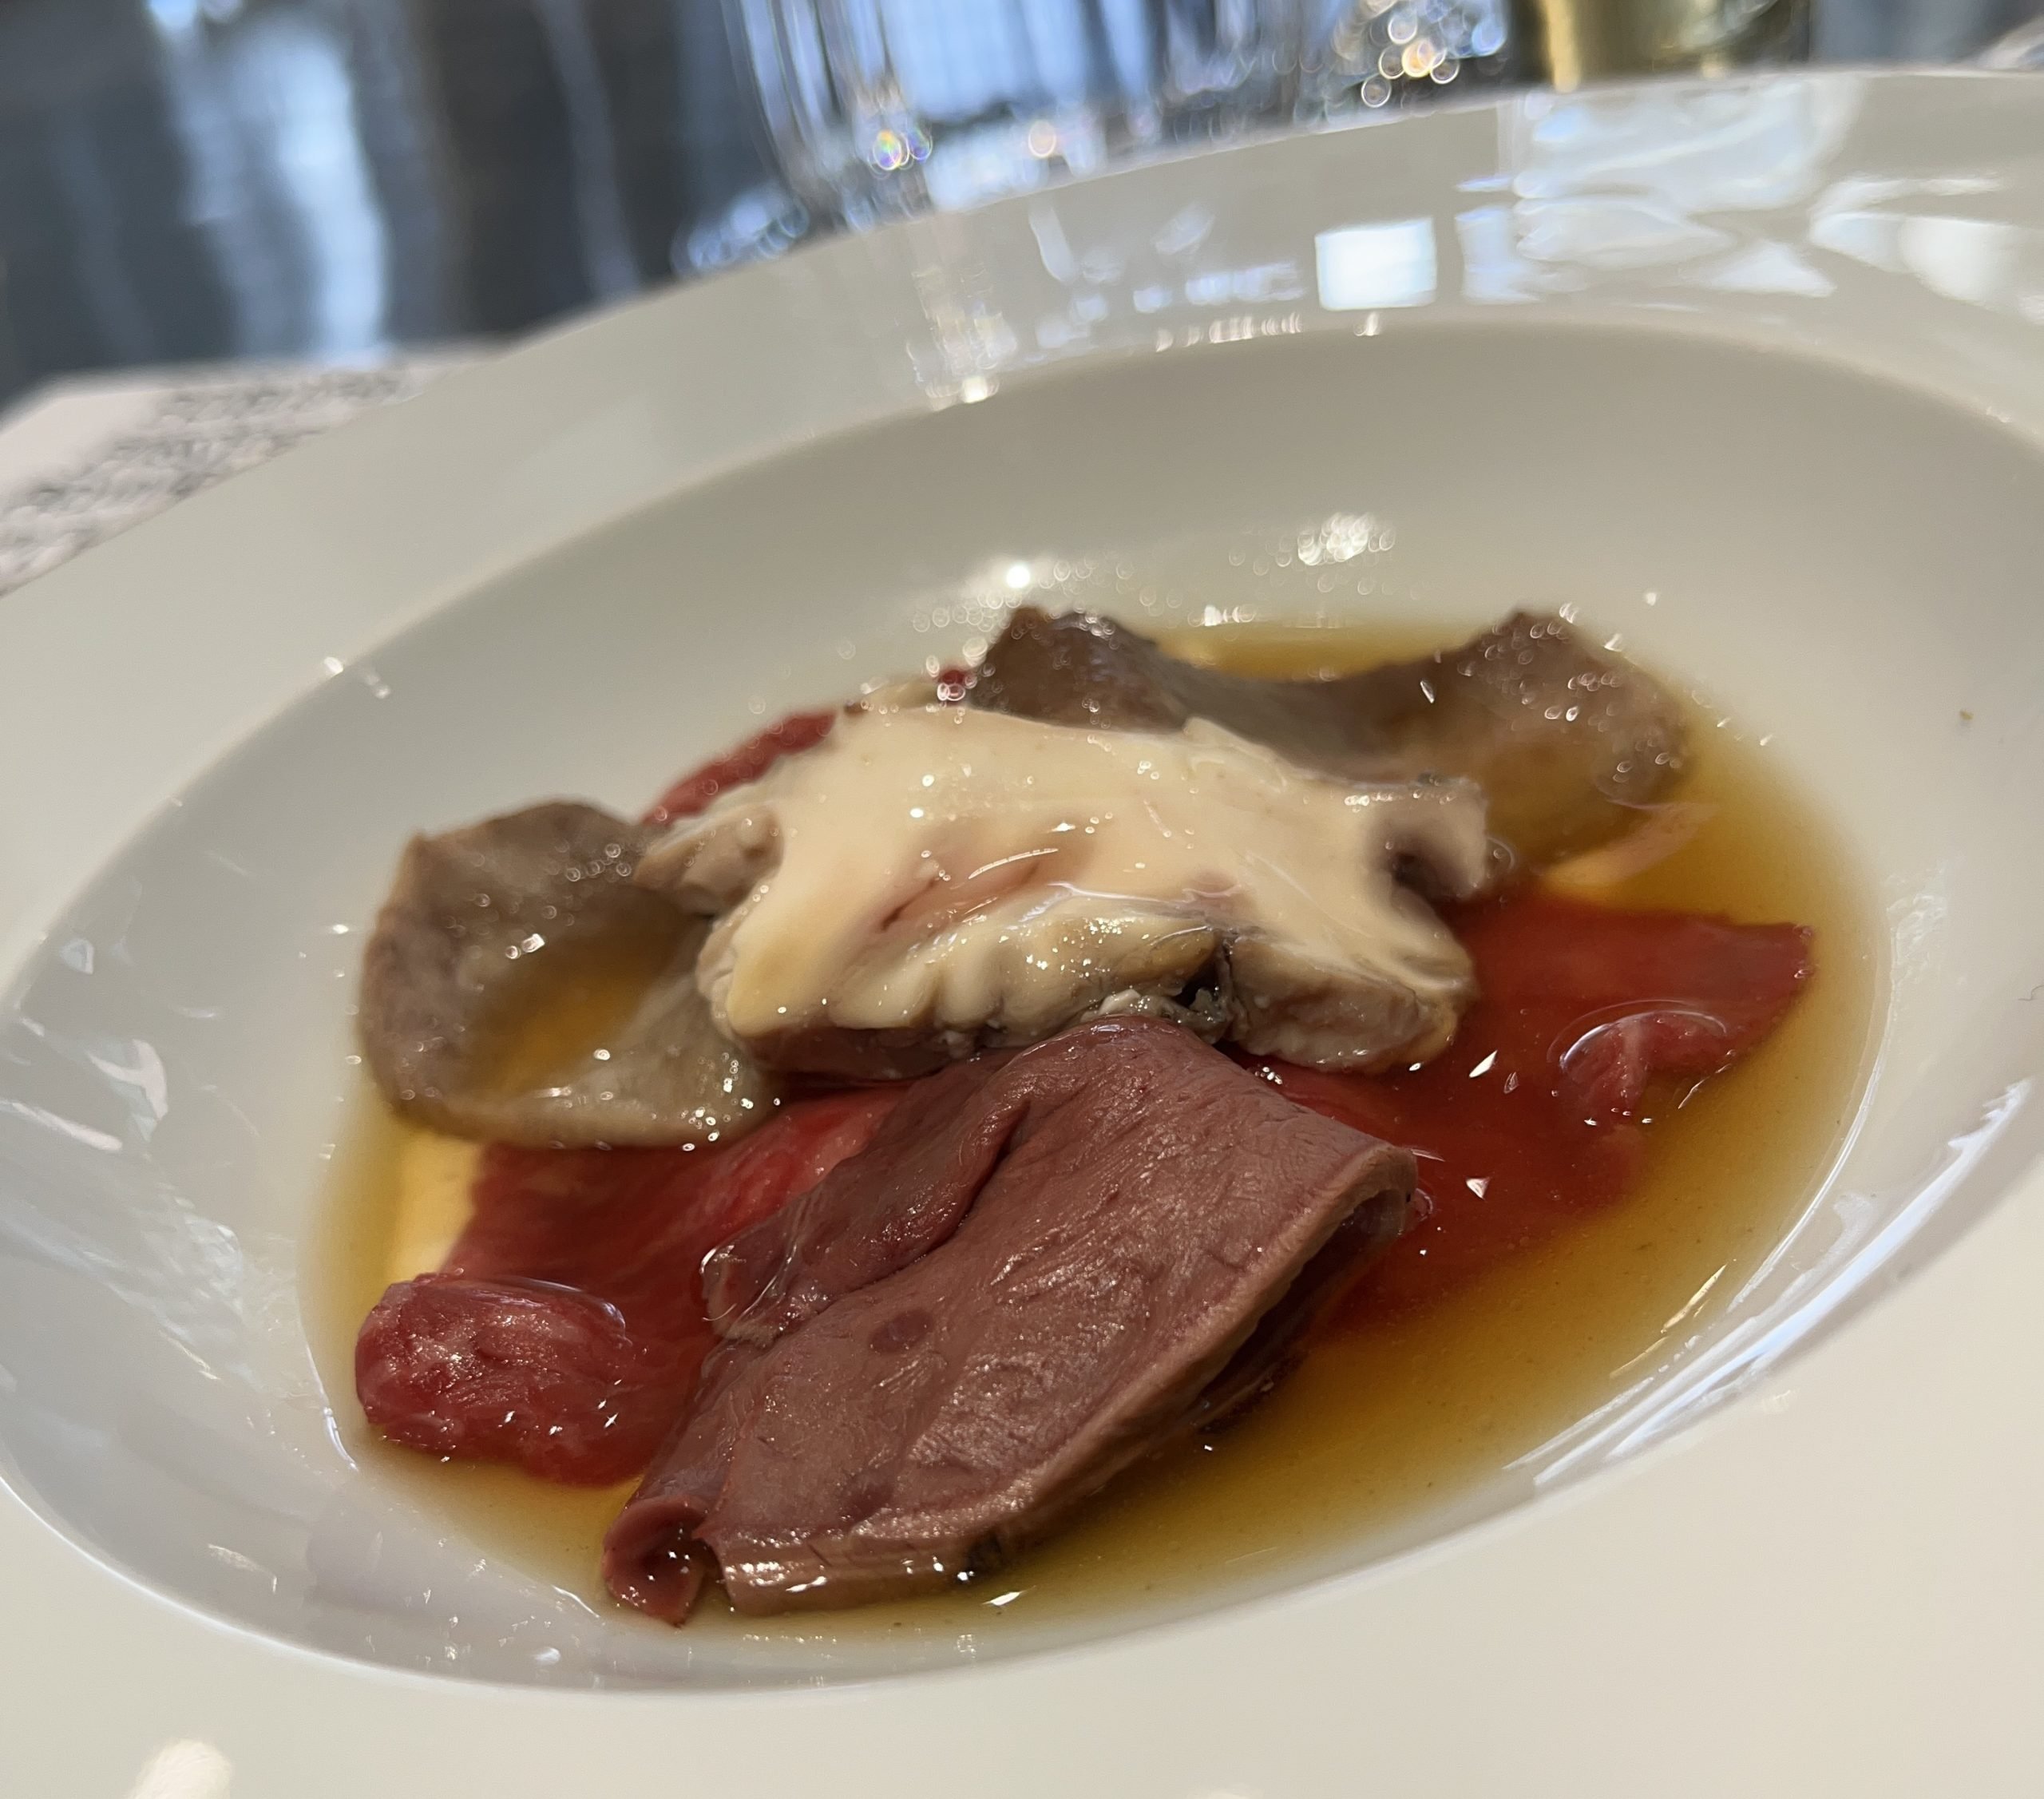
point(878, 109)
point(1572, 42)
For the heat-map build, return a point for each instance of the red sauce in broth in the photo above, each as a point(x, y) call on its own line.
point(565, 1330)
point(1539, 1113)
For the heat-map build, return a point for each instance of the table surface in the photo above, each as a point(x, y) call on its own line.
point(208, 180)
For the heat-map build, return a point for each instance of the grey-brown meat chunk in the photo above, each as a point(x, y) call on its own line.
point(1106, 1239)
point(1568, 742)
point(488, 926)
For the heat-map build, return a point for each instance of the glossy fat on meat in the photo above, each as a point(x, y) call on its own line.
point(1567, 741)
point(463, 946)
point(931, 881)
point(546, 1376)
point(943, 1360)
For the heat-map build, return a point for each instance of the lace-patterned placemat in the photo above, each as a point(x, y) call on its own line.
point(86, 459)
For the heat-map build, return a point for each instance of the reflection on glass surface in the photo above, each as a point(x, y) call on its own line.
point(879, 109)
point(276, 179)
point(188, 180)
point(191, 179)
point(606, 246)
point(1374, 53)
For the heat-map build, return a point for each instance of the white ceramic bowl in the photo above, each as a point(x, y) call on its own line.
point(1749, 374)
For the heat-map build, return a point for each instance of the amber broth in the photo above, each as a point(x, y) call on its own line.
point(1384, 1428)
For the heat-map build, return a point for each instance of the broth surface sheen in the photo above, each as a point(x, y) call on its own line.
point(1393, 1426)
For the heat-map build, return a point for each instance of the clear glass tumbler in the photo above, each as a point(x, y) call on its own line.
point(881, 108)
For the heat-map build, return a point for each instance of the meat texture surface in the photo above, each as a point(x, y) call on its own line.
point(929, 882)
point(565, 1332)
point(1037, 1272)
point(492, 922)
point(1566, 742)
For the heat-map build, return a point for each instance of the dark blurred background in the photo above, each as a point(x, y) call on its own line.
point(194, 179)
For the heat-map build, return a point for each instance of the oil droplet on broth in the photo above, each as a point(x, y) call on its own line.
point(1383, 1429)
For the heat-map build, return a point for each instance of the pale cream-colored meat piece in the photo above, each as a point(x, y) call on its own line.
point(931, 881)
